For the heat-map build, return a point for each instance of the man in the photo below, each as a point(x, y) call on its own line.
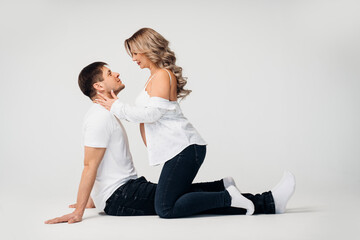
point(107, 159)
point(109, 174)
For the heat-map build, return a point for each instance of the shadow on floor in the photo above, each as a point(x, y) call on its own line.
point(302, 210)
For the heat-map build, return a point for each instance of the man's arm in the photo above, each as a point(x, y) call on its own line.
point(90, 204)
point(92, 159)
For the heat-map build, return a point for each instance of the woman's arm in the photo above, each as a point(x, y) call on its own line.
point(142, 132)
point(136, 114)
point(160, 95)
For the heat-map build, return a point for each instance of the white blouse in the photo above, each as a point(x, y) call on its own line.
point(167, 130)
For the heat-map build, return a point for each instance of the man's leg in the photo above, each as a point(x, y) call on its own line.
point(264, 203)
point(271, 202)
point(215, 186)
point(134, 198)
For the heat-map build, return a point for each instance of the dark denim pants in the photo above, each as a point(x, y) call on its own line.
point(176, 196)
point(134, 198)
point(137, 196)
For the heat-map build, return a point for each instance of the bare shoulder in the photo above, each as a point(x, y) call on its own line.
point(167, 72)
point(161, 76)
point(160, 85)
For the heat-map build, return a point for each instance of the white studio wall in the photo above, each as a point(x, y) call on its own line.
point(275, 86)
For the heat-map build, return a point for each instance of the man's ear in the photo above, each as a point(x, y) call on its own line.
point(98, 86)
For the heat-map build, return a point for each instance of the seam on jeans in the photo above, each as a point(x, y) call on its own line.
point(197, 156)
point(167, 182)
point(172, 171)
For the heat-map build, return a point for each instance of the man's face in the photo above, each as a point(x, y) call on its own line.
point(111, 82)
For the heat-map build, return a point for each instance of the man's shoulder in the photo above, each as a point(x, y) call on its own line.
point(98, 127)
point(98, 114)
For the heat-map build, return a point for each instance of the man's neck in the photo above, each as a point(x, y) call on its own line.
point(104, 93)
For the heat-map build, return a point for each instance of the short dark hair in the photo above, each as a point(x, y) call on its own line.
point(90, 74)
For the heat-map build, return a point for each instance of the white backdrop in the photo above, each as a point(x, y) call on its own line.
point(275, 86)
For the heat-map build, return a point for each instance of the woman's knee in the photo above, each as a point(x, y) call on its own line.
point(162, 210)
point(163, 213)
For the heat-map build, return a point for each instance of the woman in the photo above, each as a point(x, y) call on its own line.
point(170, 138)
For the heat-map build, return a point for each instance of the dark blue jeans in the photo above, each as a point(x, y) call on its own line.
point(136, 198)
point(176, 196)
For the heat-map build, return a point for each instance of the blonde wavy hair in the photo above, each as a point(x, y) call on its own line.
point(156, 48)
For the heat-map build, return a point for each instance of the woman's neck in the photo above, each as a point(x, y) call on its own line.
point(153, 69)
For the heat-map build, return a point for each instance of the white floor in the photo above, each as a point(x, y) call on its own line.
point(312, 216)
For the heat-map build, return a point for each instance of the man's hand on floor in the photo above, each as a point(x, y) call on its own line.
point(69, 218)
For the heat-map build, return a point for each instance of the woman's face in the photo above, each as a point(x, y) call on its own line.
point(141, 60)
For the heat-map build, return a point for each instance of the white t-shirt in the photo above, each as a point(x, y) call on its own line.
point(103, 130)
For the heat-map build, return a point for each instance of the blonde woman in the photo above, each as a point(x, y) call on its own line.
point(172, 140)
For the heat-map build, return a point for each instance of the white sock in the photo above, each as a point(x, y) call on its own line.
point(239, 201)
point(283, 191)
point(228, 181)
